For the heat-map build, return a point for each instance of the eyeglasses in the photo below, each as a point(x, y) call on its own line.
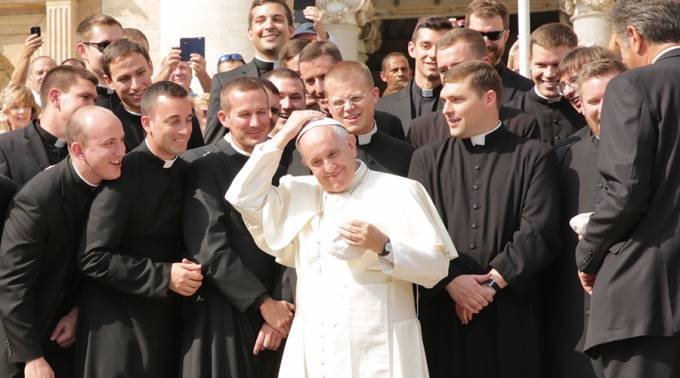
point(493, 35)
point(99, 45)
point(339, 103)
point(572, 81)
point(227, 57)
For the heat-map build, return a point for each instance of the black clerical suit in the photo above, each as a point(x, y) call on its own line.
point(255, 68)
point(514, 84)
point(129, 318)
point(389, 124)
point(557, 118)
point(632, 242)
point(7, 190)
point(499, 202)
point(38, 271)
point(409, 103)
point(433, 126)
point(223, 319)
point(26, 152)
point(565, 301)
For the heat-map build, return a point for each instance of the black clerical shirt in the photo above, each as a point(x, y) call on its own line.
point(55, 148)
point(423, 101)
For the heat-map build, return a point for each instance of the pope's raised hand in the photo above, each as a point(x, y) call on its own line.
point(297, 120)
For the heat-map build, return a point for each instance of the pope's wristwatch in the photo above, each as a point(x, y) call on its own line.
point(387, 249)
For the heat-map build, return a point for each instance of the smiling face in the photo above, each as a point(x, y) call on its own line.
point(545, 69)
point(592, 93)
point(168, 126)
point(495, 48)
point(130, 77)
point(19, 115)
point(102, 150)
point(269, 29)
point(465, 110)
point(182, 75)
point(248, 118)
point(424, 52)
point(396, 72)
point(352, 102)
point(291, 95)
point(568, 87)
point(314, 73)
point(330, 157)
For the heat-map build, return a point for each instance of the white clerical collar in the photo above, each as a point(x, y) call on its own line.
point(366, 138)
point(663, 52)
point(81, 176)
point(228, 139)
point(264, 60)
point(480, 140)
point(131, 112)
point(549, 99)
point(166, 163)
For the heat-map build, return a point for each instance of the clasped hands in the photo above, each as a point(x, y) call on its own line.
point(471, 295)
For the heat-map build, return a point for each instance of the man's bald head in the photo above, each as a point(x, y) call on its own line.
point(85, 119)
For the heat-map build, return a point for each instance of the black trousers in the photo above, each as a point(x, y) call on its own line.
point(641, 357)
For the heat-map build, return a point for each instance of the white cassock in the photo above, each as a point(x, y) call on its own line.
point(355, 314)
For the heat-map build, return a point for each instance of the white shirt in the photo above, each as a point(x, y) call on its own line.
point(480, 140)
point(366, 138)
point(228, 139)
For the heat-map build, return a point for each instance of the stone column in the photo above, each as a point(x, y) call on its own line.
point(223, 24)
point(589, 18)
point(353, 25)
point(60, 29)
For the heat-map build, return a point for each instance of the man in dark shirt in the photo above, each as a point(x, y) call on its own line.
point(558, 119)
point(25, 152)
point(38, 272)
point(131, 255)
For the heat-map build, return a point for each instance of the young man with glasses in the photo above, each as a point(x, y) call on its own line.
point(491, 19)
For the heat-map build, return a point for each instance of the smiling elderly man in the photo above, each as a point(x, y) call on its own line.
point(355, 252)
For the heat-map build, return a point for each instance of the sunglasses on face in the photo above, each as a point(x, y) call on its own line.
point(493, 35)
point(227, 57)
point(99, 45)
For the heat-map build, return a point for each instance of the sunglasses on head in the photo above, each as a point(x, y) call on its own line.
point(227, 57)
point(99, 45)
point(493, 35)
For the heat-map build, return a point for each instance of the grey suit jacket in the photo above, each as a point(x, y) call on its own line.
point(22, 154)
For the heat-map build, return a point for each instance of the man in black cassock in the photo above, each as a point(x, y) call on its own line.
point(130, 255)
point(557, 118)
point(352, 97)
point(566, 304)
point(233, 326)
point(38, 272)
point(127, 70)
point(497, 194)
point(629, 255)
point(454, 47)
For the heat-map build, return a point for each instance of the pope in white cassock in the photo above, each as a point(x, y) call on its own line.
point(358, 240)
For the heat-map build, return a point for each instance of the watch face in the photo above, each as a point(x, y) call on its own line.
point(388, 247)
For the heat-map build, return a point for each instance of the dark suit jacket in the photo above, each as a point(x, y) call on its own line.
point(38, 272)
point(632, 241)
point(7, 190)
point(514, 84)
point(389, 124)
point(431, 127)
point(213, 129)
point(22, 154)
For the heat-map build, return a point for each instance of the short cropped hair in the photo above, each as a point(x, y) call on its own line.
point(161, 88)
point(120, 49)
point(554, 35)
point(63, 78)
point(318, 49)
point(469, 36)
point(269, 86)
point(482, 77)
point(84, 29)
point(349, 69)
point(600, 68)
point(658, 21)
point(292, 49)
point(488, 9)
point(241, 84)
point(578, 57)
point(393, 55)
point(257, 3)
point(73, 62)
point(284, 73)
point(135, 35)
point(436, 23)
